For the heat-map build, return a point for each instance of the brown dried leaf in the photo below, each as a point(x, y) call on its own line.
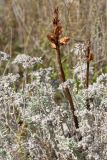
point(91, 57)
point(64, 40)
point(56, 17)
point(58, 30)
point(51, 38)
point(53, 45)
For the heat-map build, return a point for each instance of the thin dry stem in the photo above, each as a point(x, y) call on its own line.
point(87, 73)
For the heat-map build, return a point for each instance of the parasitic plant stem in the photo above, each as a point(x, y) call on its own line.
point(88, 65)
point(56, 42)
point(89, 57)
point(66, 90)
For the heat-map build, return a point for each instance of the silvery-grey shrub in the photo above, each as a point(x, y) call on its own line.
point(36, 126)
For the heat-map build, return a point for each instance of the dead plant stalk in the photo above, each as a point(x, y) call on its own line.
point(56, 43)
point(89, 57)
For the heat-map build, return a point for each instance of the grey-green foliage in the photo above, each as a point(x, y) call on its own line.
point(33, 125)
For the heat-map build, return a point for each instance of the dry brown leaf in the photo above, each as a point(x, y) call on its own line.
point(51, 38)
point(64, 40)
point(53, 45)
point(91, 57)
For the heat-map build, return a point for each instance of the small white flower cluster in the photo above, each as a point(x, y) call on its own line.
point(80, 70)
point(4, 56)
point(79, 49)
point(102, 78)
point(67, 84)
point(27, 61)
point(10, 78)
point(98, 89)
point(42, 74)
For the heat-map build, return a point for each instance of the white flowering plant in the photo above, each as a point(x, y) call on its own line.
point(33, 125)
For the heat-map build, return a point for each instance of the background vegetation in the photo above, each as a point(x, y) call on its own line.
point(24, 25)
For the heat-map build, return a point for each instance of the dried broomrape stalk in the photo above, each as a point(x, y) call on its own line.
point(56, 42)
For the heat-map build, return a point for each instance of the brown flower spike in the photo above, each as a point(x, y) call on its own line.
point(54, 37)
point(56, 42)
